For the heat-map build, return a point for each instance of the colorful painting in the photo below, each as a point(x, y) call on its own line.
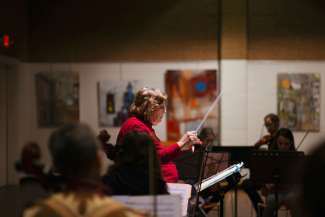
point(57, 95)
point(190, 95)
point(114, 99)
point(299, 101)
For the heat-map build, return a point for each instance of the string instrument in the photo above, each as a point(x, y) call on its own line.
point(266, 139)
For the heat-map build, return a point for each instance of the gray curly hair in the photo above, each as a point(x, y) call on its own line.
point(146, 101)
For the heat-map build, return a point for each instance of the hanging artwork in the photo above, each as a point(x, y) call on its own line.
point(299, 101)
point(190, 94)
point(57, 96)
point(114, 98)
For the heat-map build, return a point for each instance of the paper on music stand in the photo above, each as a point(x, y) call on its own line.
point(219, 176)
point(167, 205)
point(182, 190)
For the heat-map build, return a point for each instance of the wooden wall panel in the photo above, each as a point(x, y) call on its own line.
point(128, 31)
point(172, 30)
point(286, 30)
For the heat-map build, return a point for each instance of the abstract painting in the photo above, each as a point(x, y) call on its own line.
point(190, 95)
point(114, 98)
point(299, 101)
point(57, 96)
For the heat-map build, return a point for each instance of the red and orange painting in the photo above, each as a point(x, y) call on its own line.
point(190, 95)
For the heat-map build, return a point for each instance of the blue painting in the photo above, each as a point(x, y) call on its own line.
point(114, 99)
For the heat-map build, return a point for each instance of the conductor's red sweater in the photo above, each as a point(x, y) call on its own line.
point(166, 154)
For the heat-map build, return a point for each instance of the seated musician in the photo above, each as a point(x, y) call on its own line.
point(33, 182)
point(207, 136)
point(130, 173)
point(29, 164)
point(283, 141)
point(77, 157)
point(271, 122)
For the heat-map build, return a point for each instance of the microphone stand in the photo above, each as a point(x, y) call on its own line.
point(204, 154)
point(152, 185)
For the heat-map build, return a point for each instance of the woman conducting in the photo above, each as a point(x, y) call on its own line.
point(146, 111)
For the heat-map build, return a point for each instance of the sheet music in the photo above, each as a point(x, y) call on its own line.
point(167, 205)
point(184, 191)
point(220, 176)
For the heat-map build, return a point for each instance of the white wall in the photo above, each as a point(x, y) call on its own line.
point(249, 92)
point(151, 74)
point(234, 103)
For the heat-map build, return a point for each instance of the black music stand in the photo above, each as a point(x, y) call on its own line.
point(277, 167)
point(188, 166)
point(237, 153)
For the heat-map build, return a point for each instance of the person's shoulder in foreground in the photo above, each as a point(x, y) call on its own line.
point(70, 205)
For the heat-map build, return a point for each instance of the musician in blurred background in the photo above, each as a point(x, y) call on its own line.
point(271, 123)
point(277, 140)
point(77, 157)
point(33, 180)
point(283, 141)
point(130, 175)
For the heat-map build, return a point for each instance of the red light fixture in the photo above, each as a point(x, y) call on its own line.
point(6, 41)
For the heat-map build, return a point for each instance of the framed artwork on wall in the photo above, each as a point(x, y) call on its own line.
point(114, 99)
point(57, 98)
point(299, 101)
point(190, 95)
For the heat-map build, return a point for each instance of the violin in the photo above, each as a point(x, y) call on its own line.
point(266, 139)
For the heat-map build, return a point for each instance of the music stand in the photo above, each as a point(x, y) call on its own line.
point(208, 182)
point(277, 167)
point(237, 153)
point(188, 166)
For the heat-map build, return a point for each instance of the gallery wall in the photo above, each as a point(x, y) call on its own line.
point(249, 92)
point(128, 40)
